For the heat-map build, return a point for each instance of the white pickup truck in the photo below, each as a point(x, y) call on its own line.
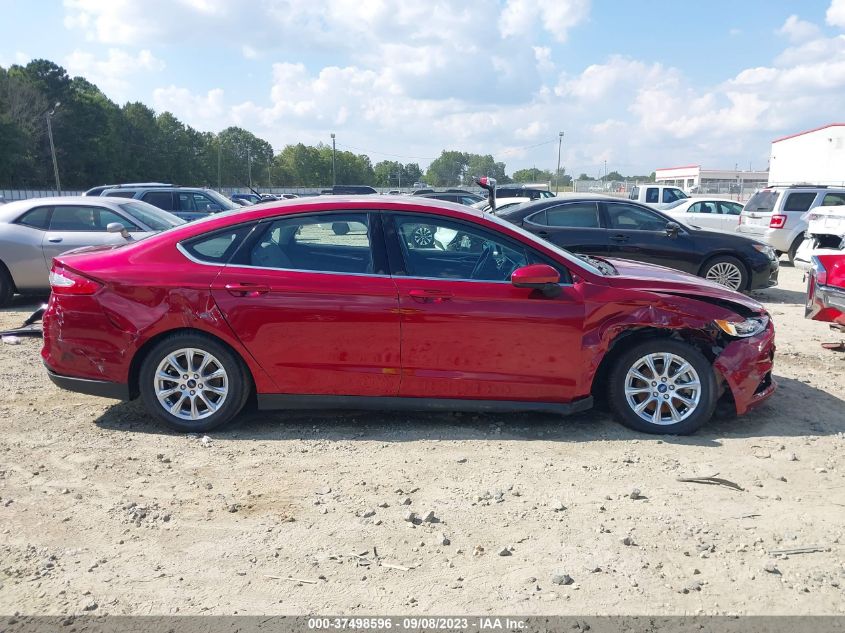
point(657, 196)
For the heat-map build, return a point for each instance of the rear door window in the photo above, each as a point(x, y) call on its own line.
point(703, 207)
point(652, 195)
point(833, 199)
point(82, 218)
point(576, 214)
point(160, 199)
point(800, 201)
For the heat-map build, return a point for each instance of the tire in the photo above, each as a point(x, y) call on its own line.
point(659, 419)
point(727, 271)
point(202, 406)
point(7, 287)
point(794, 249)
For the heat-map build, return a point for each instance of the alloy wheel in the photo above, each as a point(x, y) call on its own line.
point(191, 384)
point(662, 388)
point(423, 236)
point(725, 274)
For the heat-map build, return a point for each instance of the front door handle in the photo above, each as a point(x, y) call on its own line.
point(54, 240)
point(543, 233)
point(619, 238)
point(247, 290)
point(429, 296)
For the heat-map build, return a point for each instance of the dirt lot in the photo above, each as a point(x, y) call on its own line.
point(103, 510)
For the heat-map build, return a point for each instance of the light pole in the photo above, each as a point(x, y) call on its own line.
point(218, 162)
point(249, 166)
point(53, 147)
point(557, 173)
point(334, 176)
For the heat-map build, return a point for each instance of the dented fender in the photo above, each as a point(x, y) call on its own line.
point(746, 366)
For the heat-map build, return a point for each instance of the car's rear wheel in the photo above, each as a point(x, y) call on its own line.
point(662, 386)
point(193, 383)
point(726, 271)
point(7, 288)
point(793, 250)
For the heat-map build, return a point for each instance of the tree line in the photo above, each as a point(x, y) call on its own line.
point(99, 142)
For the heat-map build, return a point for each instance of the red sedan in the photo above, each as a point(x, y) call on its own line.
point(366, 302)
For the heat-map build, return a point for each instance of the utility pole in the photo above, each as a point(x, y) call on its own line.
point(557, 173)
point(400, 177)
point(219, 187)
point(249, 166)
point(53, 147)
point(334, 173)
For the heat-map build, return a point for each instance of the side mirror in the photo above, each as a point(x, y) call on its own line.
point(539, 277)
point(117, 227)
point(672, 229)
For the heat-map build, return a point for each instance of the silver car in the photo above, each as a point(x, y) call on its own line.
point(34, 231)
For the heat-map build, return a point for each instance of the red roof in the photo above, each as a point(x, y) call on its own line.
point(816, 129)
point(681, 167)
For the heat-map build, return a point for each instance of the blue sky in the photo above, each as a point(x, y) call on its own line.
point(640, 85)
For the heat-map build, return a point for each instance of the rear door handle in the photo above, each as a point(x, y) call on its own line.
point(619, 238)
point(429, 296)
point(54, 240)
point(247, 290)
point(543, 233)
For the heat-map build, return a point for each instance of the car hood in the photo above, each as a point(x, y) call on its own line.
point(650, 278)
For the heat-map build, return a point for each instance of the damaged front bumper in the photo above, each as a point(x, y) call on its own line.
point(746, 367)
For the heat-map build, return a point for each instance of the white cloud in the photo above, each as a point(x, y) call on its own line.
point(798, 30)
point(835, 15)
point(112, 74)
point(206, 111)
point(249, 52)
point(557, 17)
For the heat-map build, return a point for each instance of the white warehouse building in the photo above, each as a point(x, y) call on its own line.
point(694, 179)
point(816, 157)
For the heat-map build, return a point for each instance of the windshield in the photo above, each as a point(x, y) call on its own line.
point(564, 254)
point(223, 201)
point(762, 201)
point(153, 217)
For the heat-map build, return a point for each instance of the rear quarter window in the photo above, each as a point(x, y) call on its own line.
point(217, 247)
point(37, 218)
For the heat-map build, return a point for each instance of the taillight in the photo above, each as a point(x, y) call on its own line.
point(777, 222)
point(820, 272)
point(65, 282)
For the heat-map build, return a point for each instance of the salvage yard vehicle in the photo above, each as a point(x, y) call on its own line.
point(34, 231)
point(776, 215)
point(713, 214)
point(270, 304)
point(826, 290)
point(605, 226)
point(188, 203)
point(656, 196)
point(825, 234)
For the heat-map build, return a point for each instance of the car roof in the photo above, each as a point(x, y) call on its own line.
point(12, 209)
point(165, 188)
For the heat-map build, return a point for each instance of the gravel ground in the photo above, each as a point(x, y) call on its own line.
point(104, 511)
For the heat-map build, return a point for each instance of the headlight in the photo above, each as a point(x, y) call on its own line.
point(768, 251)
point(743, 329)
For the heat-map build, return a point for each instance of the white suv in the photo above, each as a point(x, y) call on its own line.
point(773, 215)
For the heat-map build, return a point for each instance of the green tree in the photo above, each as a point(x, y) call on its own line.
point(447, 169)
point(533, 175)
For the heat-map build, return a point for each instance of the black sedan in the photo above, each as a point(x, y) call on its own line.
point(612, 227)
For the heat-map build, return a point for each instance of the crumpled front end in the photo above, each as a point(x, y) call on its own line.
point(746, 366)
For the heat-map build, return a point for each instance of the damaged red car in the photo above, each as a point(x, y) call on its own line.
point(362, 303)
point(826, 290)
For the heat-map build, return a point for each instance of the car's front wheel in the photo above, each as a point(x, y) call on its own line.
point(7, 289)
point(662, 386)
point(193, 383)
point(727, 271)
